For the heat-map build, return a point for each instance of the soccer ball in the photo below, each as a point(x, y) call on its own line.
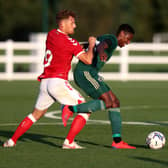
point(155, 140)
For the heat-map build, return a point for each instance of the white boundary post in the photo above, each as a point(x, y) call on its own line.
point(40, 40)
point(124, 66)
point(9, 59)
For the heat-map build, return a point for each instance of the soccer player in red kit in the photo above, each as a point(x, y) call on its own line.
point(54, 86)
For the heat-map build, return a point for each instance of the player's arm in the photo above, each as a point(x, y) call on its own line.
point(87, 56)
point(84, 44)
point(101, 49)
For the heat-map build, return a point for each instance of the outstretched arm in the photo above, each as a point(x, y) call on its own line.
point(88, 55)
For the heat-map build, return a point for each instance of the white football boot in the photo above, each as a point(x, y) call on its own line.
point(73, 145)
point(9, 143)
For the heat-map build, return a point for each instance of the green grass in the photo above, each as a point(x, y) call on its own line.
point(142, 68)
point(41, 145)
point(156, 68)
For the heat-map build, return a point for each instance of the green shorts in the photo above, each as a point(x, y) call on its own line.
point(91, 83)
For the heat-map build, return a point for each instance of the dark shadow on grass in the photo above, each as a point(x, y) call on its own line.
point(42, 138)
point(94, 144)
point(146, 159)
point(140, 146)
point(137, 146)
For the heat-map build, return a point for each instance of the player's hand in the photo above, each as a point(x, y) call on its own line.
point(103, 57)
point(92, 41)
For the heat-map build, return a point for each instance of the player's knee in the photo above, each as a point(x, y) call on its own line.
point(116, 103)
point(113, 104)
point(108, 104)
point(84, 115)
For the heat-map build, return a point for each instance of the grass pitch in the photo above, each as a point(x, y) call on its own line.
point(143, 107)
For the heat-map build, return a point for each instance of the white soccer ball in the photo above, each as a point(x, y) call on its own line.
point(155, 140)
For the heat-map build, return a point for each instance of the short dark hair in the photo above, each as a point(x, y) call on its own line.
point(64, 14)
point(126, 28)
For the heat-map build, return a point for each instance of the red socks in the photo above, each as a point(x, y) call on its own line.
point(76, 126)
point(23, 127)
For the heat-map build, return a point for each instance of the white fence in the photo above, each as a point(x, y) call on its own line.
point(9, 58)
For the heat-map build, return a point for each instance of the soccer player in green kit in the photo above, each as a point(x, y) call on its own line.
point(88, 79)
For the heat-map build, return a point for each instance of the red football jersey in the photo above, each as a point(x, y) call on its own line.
point(60, 49)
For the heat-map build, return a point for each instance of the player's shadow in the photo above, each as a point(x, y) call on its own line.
point(41, 138)
point(140, 146)
point(146, 159)
point(136, 145)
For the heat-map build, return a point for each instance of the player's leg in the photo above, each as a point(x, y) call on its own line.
point(90, 106)
point(113, 106)
point(43, 102)
point(94, 87)
point(87, 107)
point(66, 94)
point(77, 125)
point(25, 124)
point(115, 119)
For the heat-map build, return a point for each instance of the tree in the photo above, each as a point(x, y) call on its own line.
point(20, 18)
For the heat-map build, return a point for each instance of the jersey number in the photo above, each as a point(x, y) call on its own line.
point(48, 57)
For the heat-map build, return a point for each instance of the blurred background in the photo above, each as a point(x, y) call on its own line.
point(20, 18)
point(140, 70)
point(24, 25)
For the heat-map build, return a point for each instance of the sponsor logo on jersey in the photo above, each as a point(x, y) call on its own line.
point(73, 41)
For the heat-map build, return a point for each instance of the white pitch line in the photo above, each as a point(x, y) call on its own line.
point(144, 107)
point(54, 115)
point(91, 122)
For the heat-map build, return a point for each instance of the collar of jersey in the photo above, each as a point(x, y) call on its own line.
point(60, 31)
